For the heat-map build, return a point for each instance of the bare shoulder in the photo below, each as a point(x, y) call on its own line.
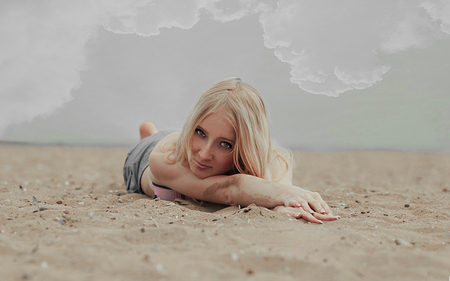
point(167, 144)
point(162, 160)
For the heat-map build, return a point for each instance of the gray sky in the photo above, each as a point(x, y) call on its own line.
point(336, 75)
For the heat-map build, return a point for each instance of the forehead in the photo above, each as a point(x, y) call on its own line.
point(217, 125)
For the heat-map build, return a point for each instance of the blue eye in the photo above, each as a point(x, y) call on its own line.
point(200, 132)
point(226, 145)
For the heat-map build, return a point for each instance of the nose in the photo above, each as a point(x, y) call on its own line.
point(206, 152)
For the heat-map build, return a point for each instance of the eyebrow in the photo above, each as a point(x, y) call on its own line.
point(200, 127)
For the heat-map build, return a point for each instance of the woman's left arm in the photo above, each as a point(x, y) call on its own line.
point(282, 173)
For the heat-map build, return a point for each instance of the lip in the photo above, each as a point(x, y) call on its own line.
point(200, 165)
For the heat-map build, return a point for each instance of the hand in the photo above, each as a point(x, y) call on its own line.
point(310, 201)
point(299, 212)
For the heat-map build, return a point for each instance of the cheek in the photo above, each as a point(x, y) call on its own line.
point(228, 161)
point(194, 144)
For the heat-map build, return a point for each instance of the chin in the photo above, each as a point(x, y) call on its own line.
point(198, 173)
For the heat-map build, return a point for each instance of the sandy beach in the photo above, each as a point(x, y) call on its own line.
point(394, 208)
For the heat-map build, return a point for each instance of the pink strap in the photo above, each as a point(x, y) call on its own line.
point(166, 194)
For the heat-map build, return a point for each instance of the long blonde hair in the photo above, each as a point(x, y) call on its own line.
point(245, 110)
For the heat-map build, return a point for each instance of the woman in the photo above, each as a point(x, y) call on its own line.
point(224, 154)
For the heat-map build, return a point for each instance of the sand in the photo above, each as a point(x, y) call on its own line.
point(394, 207)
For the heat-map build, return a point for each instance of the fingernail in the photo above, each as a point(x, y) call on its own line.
point(297, 215)
point(311, 211)
point(338, 217)
point(321, 222)
point(322, 212)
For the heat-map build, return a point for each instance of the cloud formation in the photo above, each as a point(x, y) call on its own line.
point(41, 55)
point(331, 46)
point(147, 17)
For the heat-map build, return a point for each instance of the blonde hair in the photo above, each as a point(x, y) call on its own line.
point(245, 110)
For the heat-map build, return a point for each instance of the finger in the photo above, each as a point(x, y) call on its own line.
point(326, 217)
point(326, 207)
point(289, 211)
point(293, 203)
point(306, 207)
point(317, 206)
point(323, 205)
point(307, 216)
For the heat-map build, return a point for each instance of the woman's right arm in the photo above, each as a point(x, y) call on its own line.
point(236, 189)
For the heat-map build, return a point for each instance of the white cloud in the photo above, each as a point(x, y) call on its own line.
point(146, 17)
point(332, 46)
point(41, 55)
point(44, 45)
point(439, 10)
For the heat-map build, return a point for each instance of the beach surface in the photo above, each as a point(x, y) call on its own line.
point(394, 208)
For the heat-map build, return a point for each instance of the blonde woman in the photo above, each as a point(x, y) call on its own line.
point(224, 154)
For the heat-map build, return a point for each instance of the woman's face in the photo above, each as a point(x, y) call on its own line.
point(212, 145)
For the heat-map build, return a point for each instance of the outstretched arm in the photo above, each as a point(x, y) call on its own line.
point(282, 173)
point(236, 189)
point(283, 198)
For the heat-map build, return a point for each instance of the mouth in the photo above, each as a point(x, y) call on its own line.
point(201, 166)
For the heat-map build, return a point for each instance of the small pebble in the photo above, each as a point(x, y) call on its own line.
point(142, 230)
point(120, 200)
point(44, 264)
point(346, 207)
point(90, 215)
point(402, 242)
point(234, 257)
point(160, 269)
point(406, 205)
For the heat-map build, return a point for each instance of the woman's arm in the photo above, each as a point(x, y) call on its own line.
point(282, 173)
point(236, 189)
point(232, 190)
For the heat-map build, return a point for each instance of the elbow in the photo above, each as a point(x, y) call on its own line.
point(230, 198)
